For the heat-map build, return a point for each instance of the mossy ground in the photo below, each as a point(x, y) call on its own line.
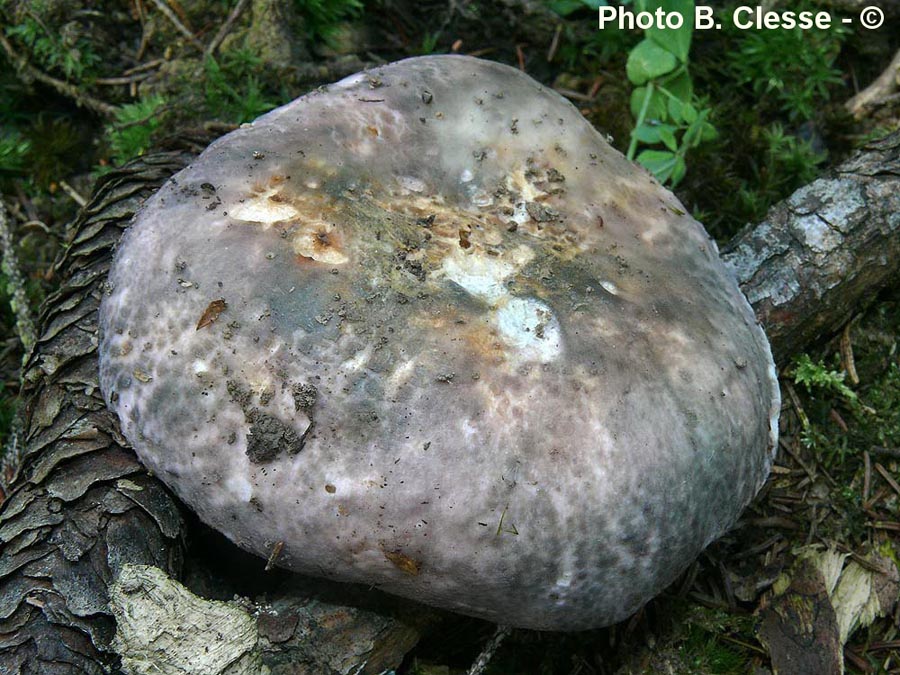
point(776, 100)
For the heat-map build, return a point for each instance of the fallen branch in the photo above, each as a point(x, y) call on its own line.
point(225, 28)
point(489, 650)
point(177, 23)
point(820, 255)
point(880, 92)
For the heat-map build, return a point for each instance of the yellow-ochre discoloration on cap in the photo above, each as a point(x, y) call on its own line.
point(459, 349)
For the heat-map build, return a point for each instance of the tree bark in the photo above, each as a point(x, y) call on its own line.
point(85, 523)
point(81, 505)
point(821, 255)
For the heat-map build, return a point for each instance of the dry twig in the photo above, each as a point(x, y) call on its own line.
point(149, 65)
point(114, 81)
point(887, 477)
point(73, 193)
point(574, 95)
point(894, 453)
point(487, 653)
point(175, 21)
point(847, 356)
point(877, 93)
point(225, 28)
point(867, 477)
point(554, 45)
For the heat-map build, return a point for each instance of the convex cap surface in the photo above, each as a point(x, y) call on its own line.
point(426, 330)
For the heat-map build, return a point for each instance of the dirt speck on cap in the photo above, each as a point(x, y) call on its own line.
point(269, 437)
point(305, 396)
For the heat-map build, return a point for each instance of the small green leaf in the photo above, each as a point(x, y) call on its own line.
point(648, 61)
point(679, 170)
point(647, 133)
point(694, 134)
point(667, 135)
point(708, 132)
point(679, 86)
point(690, 113)
point(656, 110)
point(691, 136)
point(660, 163)
point(654, 133)
point(681, 111)
point(677, 41)
point(676, 110)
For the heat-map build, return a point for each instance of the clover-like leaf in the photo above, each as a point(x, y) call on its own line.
point(648, 61)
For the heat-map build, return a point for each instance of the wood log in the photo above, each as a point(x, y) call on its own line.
point(88, 535)
point(821, 255)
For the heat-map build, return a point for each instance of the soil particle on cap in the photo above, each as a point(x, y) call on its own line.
point(230, 330)
point(464, 238)
point(238, 393)
point(269, 437)
point(541, 213)
point(413, 267)
point(305, 396)
point(555, 176)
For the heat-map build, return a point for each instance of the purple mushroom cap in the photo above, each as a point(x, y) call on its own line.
point(424, 329)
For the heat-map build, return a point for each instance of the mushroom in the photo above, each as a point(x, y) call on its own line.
point(426, 330)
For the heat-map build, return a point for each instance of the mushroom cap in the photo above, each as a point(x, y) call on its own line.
point(426, 330)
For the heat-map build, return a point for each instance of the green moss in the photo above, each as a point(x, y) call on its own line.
point(716, 641)
point(233, 90)
point(55, 43)
point(323, 16)
point(131, 132)
point(706, 652)
point(14, 148)
point(791, 71)
point(39, 142)
point(813, 375)
point(883, 395)
point(870, 411)
point(9, 383)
